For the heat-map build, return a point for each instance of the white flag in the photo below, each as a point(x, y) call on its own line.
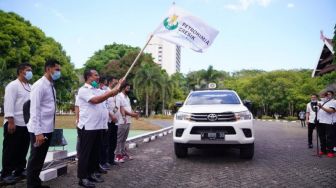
point(184, 29)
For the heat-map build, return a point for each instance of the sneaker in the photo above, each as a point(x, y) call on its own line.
point(310, 145)
point(322, 153)
point(331, 155)
point(8, 180)
point(127, 157)
point(104, 167)
point(119, 159)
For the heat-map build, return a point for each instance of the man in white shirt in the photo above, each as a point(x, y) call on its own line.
point(124, 121)
point(92, 114)
point(42, 120)
point(112, 127)
point(16, 136)
point(326, 129)
point(311, 112)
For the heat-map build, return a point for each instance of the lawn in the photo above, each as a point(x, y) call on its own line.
point(68, 122)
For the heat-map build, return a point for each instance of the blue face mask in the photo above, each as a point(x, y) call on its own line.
point(56, 75)
point(29, 75)
point(94, 84)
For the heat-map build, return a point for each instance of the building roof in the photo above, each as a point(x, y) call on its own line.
point(324, 64)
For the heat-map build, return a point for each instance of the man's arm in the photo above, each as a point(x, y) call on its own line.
point(106, 95)
point(9, 103)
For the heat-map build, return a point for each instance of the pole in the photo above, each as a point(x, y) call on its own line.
point(136, 59)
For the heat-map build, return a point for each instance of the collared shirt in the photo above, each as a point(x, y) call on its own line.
point(16, 94)
point(311, 112)
point(42, 107)
point(91, 116)
point(111, 106)
point(123, 101)
point(325, 117)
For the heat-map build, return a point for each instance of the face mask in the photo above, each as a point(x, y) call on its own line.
point(56, 75)
point(313, 100)
point(323, 99)
point(94, 84)
point(29, 75)
point(127, 92)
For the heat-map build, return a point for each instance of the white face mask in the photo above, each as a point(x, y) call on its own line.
point(323, 99)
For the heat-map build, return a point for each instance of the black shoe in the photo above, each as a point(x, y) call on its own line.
point(44, 186)
point(22, 174)
point(95, 178)
point(102, 171)
point(86, 183)
point(310, 146)
point(8, 180)
point(104, 167)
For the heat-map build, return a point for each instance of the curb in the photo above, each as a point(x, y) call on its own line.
point(273, 120)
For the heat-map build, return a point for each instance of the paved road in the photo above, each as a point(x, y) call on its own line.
point(281, 159)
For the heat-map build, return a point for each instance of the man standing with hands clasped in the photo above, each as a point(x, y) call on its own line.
point(42, 120)
point(16, 136)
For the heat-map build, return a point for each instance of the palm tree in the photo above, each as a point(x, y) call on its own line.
point(147, 82)
point(168, 86)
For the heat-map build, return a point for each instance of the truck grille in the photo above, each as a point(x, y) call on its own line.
point(210, 117)
point(210, 129)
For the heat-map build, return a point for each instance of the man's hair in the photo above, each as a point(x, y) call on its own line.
point(22, 66)
point(314, 94)
point(110, 78)
point(329, 91)
point(124, 85)
point(88, 73)
point(51, 63)
point(102, 79)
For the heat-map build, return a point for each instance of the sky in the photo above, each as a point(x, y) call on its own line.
point(253, 34)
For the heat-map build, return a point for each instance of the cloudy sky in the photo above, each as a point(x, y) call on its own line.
point(253, 34)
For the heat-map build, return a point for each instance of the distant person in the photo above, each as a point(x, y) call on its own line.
point(326, 129)
point(92, 114)
point(302, 117)
point(16, 136)
point(124, 122)
point(311, 112)
point(42, 120)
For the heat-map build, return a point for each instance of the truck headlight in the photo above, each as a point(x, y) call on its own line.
point(183, 116)
point(245, 115)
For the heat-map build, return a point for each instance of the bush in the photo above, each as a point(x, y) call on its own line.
point(266, 117)
point(291, 118)
point(160, 116)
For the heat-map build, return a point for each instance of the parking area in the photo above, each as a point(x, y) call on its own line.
point(281, 159)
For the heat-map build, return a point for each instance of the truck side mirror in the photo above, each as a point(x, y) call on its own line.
point(248, 104)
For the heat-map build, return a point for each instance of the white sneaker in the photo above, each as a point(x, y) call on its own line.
point(119, 159)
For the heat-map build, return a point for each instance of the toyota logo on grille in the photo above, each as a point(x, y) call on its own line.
point(212, 117)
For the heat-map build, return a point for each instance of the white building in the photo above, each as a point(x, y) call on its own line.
point(166, 54)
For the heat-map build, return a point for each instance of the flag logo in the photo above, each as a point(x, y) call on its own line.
point(171, 23)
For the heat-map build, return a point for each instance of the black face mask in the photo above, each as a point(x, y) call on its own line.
point(127, 92)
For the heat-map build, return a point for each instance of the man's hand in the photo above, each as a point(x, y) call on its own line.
point(11, 126)
point(114, 118)
point(39, 139)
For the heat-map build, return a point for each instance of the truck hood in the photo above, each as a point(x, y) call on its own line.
point(213, 108)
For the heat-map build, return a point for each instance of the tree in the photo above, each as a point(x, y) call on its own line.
point(147, 82)
point(20, 42)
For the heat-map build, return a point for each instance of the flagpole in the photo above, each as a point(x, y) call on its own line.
point(136, 59)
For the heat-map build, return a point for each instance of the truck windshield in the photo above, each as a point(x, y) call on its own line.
point(205, 98)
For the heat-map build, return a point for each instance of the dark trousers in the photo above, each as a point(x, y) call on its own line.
point(303, 122)
point(78, 142)
point(14, 151)
point(88, 161)
point(36, 160)
point(112, 141)
point(311, 127)
point(327, 137)
point(103, 146)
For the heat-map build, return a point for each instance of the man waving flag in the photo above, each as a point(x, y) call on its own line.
point(184, 29)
